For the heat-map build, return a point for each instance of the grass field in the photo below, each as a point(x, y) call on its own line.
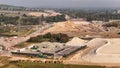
point(44, 65)
point(13, 31)
point(5, 63)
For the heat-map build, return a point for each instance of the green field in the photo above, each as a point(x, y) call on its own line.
point(44, 65)
point(14, 64)
point(13, 31)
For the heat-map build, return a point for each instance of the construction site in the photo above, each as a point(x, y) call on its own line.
point(59, 34)
point(89, 44)
point(51, 50)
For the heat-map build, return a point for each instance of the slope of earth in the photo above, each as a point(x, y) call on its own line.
point(107, 51)
point(82, 28)
point(73, 29)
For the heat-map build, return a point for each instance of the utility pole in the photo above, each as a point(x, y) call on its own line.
point(19, 25)
point(40, 20)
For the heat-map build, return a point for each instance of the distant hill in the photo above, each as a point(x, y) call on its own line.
point(18, 8)
point(10, 7)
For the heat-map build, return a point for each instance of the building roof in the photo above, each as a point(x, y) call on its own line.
point(68, 50)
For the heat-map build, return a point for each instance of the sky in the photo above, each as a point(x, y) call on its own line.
point(64, 3)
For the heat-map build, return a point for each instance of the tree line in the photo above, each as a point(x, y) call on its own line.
point(30, 20)
point(112, 24)
point(91, 14)
point(62, 38)
point(57, 18)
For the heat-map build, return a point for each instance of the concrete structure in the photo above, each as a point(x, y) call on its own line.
point(68, 50)
point(47, 50)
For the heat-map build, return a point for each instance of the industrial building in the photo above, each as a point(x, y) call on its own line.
point(51, 50)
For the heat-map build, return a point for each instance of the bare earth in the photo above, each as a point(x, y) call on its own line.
point(70, 26)
point(113, 47)
point(100, 51)
point(81, 28)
